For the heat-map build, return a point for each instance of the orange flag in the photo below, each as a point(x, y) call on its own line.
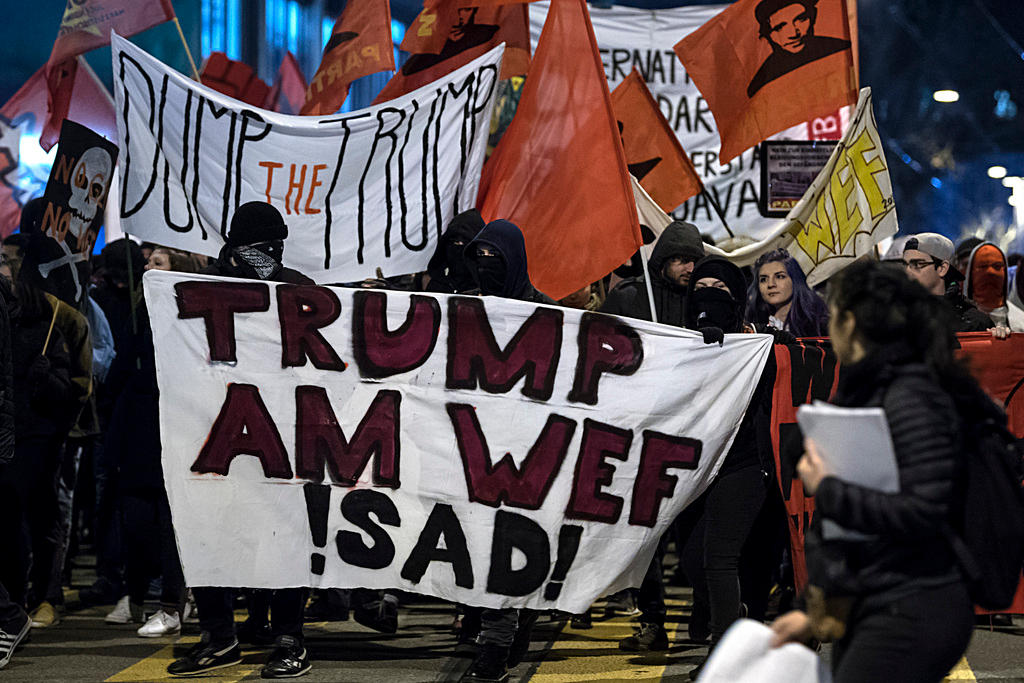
point(653, 153)
point(559, 172)
point(441, 41)
point(289, 91)
point(234, 79)
point(766, 65)
point(360, 45)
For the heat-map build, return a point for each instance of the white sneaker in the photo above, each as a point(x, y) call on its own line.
point(125, 613)
point(190, 614)
point(160, 624)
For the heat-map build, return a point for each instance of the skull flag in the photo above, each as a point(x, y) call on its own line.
point(73, 211)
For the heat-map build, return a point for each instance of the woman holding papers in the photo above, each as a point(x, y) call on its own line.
point(893, 600)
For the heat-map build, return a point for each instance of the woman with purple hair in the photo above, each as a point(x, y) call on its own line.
point(780, 298)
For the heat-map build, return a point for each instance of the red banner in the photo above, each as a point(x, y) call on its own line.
point(807, 370)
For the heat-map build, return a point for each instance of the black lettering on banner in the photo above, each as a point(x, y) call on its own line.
point(246, 115)
point(126, 212)
point(442, 523)
point(196, 141)
point(516, 532)
point(748, 195)
point(568, 543)
point(436, 190)
point(356, 507)
point(167, 167)
point(425, 152)
point(456, 91)
point(328, 213)
point(318, 502)
point(383, 131)
point(401, 174)
point(218, 112)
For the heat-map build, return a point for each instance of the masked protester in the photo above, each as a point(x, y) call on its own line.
point(447, 268)
point(670, 265)
point(254, 249)
point(987, 284)
point(497, 262)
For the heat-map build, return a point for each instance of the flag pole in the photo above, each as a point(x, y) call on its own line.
point(717, 208)
point(192, 62)
point(644, 255)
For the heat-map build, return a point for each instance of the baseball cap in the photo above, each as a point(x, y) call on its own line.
point(937, 246)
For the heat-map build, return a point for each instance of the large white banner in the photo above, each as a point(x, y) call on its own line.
point(629, 37)
point(366, 189)
point(485, 451)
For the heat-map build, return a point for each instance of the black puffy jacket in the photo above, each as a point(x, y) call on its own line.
point(908, 551)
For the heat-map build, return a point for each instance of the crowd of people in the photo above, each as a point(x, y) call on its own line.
point(81, 453)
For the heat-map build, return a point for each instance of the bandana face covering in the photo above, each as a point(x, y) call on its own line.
point(988, 278)
point(260, 261)
point(715, 307)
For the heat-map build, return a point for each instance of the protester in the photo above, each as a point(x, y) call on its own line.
point(986, 283)
point(780, 298)
point(163, 258)
point(671, 263)
point(927, 257)
point(254, 249)
point(896, 602)
point(447, 267)
point(496, 258)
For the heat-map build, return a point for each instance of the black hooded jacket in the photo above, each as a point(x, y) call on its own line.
point(443, 277)
point(629, 298)
point(506, 238)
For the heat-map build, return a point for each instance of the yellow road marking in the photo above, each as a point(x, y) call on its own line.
point(154, 668)
point(961, 672)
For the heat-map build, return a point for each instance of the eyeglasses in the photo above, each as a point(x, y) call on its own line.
point(920, 264)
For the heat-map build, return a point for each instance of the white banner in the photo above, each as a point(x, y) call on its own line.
point(485, 451)
point(629, 37)
point(366, 189)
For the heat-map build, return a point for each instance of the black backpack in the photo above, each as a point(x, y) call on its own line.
point(989, 542)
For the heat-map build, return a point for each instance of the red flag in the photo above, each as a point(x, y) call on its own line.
point(23, 116)
point(559, 171)
point(766, 65)
point(653, 153)
point(86, 24)
point(289, 91)
point(234, 79)
point(360, 45)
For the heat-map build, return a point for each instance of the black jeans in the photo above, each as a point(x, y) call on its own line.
point(150, 550)
point(914, 639)
point(11, 615)
point(216, 612)
point(711, 556)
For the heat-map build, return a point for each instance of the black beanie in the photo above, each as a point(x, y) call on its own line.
point(32, 215)
point(718, 267)
point(256, 222)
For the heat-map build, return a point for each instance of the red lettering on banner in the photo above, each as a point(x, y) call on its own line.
point(320, 441)
point(827, 127)
point(303, 311)
point(605, 344)
point(380, 352)
point(523, 487)
point(243, 427)
point(593, 472)
point(660, 452)
point(217, 303)
point(474, 356)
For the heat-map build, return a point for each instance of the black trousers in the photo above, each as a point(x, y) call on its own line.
point(915, 639)
point(11, 614)
point(216, 612)
point(150, 550)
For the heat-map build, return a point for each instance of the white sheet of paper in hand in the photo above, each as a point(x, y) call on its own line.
point(746, 655)
point(856, 447)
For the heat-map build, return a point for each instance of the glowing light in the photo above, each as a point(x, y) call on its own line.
point(31, 154)
point(946, 95)
point(997, 172)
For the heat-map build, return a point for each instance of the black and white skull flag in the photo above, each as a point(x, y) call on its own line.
point(74, 199)
point(358, 191)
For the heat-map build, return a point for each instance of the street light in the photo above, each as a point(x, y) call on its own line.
point(946, 95)
point(996, 172)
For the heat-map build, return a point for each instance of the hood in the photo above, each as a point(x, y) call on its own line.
point(463, 227)
point(507, 239)
point(678, 239)
point(981, 283)
point(731, 275)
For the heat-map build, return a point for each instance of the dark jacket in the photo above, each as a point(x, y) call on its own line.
point(223, 267)
point(908, 552)
point(629, 298)
point(507, 239)
point(6, 387)
point(968, 317)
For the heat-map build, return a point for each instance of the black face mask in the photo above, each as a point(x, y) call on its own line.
point(714, 307)
point(455, 263)
point(491, 273)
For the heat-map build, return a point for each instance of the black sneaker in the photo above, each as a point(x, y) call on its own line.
point(288, 660)
point(102, 592)
point(11, 637)
point(380, 615)
point(647, 638)
point(256, 634)
point(206, 656)
point(490, 665)
point(581, 621)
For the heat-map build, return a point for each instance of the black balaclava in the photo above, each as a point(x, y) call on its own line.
point(711, 306)
point(256, 241)
point(504, 275)
point(447, 267)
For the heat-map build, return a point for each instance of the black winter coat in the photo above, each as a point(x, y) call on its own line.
point(6, 388)
point(908, 551)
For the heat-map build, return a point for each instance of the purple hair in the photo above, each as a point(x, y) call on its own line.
point(808, 314)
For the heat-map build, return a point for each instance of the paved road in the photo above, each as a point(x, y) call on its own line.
point(83, 648)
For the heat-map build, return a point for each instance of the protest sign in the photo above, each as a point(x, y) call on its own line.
point(75, 196)
point(631, 37)
point(483, 450)
point(359, 191)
